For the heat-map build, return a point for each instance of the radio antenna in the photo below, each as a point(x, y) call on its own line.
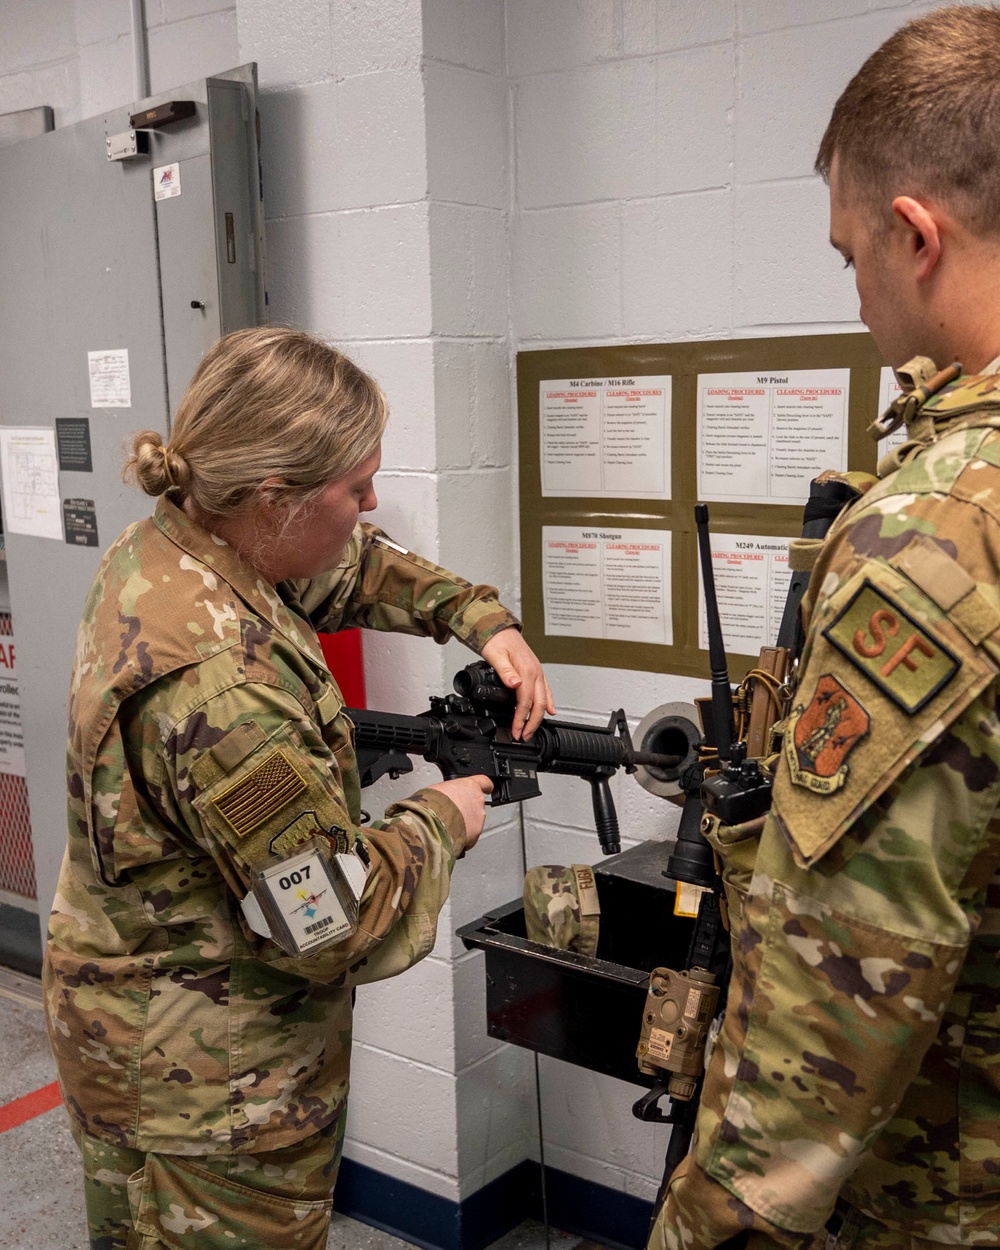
point(723, 725)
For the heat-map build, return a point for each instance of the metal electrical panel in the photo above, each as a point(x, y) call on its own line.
point(120, 268)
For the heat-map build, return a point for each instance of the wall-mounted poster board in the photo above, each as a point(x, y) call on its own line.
point(617, 444)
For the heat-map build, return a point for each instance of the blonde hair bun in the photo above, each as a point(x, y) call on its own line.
point(267, 402)
point(152, 466)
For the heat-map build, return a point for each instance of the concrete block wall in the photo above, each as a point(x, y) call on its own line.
point(662, 190)
point(468, 167)
point(384, 134)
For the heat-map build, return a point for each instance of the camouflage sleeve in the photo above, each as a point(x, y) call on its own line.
point(249, 776)
point(381, 585)
point(868, 888)
point(842, 974)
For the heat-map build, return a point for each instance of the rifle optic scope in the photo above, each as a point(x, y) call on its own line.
point(481, 684)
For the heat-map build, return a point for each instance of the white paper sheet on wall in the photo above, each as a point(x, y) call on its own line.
point(29, 471)
point(763, 437)
point(605, 437)
point(607, 582)
point(751, 585)
point(110, 381)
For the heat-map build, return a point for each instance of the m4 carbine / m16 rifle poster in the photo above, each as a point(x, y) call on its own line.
point(618, 444)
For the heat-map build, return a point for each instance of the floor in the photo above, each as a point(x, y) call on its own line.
point(41, 1202)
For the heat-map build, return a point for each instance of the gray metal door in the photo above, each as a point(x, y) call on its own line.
point(154, 256)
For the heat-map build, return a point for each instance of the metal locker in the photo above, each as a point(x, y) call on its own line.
point(113, 239)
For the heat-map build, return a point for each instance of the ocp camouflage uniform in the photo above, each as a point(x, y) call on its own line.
point(207, 738)
point(562, 907)
point(860, 1054)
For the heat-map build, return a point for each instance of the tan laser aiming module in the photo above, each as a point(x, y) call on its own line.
point(679, 1011)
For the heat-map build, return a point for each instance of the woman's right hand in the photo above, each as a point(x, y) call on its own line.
point(469, 796)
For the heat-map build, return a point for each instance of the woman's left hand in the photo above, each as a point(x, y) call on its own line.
point(519, 669)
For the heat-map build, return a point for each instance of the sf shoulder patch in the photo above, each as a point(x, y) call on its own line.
point(825, 733)
point(260, 794)
point(901, 656)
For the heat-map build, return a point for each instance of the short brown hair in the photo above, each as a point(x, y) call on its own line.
point(264, 402)
point(922, 117)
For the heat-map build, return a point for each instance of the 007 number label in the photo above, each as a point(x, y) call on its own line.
point(294, 878)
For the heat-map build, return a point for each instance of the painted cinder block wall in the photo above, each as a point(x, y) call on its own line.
point(448, 182)
point(385, 133)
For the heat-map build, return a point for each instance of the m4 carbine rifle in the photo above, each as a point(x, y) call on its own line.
point(469, 733)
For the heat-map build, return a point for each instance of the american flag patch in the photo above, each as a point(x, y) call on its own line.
point(260, 794)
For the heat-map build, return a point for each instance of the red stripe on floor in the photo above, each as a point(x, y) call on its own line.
point(21, 1109)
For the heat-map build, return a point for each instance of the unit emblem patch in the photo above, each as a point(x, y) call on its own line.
point(899, 654)
point(825, 733)
point(305, 826)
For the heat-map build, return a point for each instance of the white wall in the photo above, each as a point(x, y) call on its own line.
point(448, 182)
point(385, 133)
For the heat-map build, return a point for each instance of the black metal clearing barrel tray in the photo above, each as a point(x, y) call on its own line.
point(586, 1010)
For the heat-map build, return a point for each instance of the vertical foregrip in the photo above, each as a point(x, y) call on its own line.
point(605, 816)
